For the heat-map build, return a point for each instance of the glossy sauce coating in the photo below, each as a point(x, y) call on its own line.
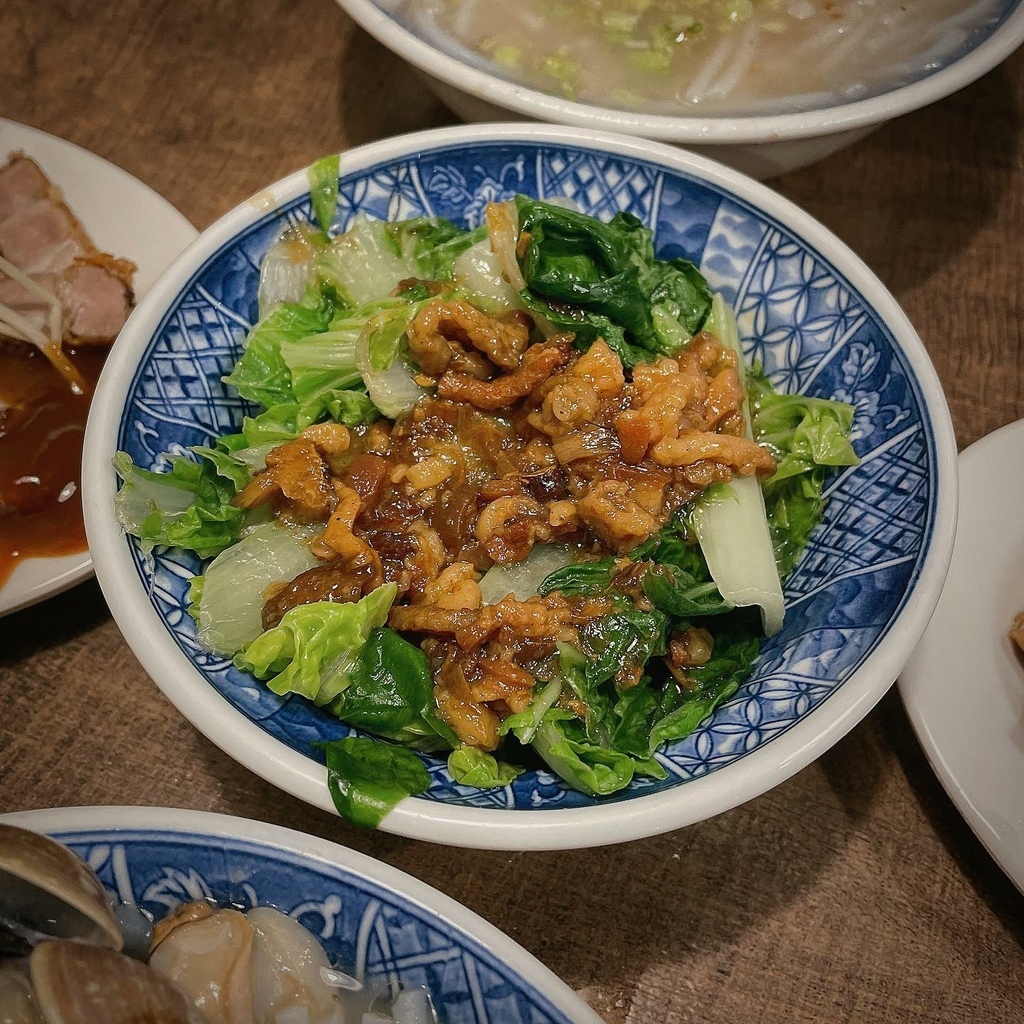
point(42, 425)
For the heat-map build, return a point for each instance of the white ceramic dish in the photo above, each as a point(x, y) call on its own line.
point(809, 311)
point(126, 218)
point(964, 687)
point(762, 146)
point(375, 922)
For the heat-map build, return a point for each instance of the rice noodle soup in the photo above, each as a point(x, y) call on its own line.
point(716, 57)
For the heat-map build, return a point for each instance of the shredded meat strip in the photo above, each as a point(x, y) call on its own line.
point(539, 362)
point(441, 326)
point(742, 454)
point(298, 472)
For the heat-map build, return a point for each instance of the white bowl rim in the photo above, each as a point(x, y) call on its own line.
point(484, 828)
point(207, 824)
point(758, 128)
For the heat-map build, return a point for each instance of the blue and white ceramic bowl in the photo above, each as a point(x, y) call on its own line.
point(809, 311)
point(384, 927)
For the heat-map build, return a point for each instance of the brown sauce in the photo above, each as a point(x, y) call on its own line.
point(41, 432)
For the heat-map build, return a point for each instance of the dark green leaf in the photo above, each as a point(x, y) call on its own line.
point(367, 777)
point(737, 643)
point(390, 693)
point(603, 280)
point(674, 591)
point(581, 579)
point(619, 640)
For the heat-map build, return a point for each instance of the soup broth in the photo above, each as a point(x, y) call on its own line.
point(696, 57)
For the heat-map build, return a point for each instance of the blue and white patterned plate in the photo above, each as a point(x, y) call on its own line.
point(389, 930)
point(809, 312)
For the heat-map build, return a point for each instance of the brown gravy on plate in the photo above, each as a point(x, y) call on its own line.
point(41, 433)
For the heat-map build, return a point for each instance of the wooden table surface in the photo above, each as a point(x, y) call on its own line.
point(853, 892)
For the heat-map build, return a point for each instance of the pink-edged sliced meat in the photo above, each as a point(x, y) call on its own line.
point(22, 183)
point(96, 298)
point(43, 239)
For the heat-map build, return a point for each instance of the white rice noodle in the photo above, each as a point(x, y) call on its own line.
point(746, 50)
point(712, 66)
point(852, 43)
point(464, 19)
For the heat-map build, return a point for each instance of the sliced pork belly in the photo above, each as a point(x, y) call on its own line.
point(96, 301)
point(42, 238)
point(21, 184)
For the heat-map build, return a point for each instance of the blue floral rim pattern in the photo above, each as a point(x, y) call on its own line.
point(800, 319)
point(378, 935)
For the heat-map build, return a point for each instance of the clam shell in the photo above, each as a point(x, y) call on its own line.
point(17, 1004)
point(45, 888)
point(79, 984)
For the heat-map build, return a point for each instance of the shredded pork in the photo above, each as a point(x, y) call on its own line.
point(56, 287)
point(543, 444)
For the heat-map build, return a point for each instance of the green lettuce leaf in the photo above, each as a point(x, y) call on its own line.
point(229, 604)
point(261, 374)
point(809, 438)
point(315, 648)
point(367, 777)
point(434, 243)
point(323, 188)
point(187, 507)
point(587, 766)
point(471, 766)
point(524, 724)
point(390, 693)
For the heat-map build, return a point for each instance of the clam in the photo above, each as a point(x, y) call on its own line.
point(53, 905)
point(207, 965)
point(252, 968)
point(48, 892)
point(79, 984)
point(17, 1001)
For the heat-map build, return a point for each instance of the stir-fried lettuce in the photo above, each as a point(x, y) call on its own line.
point(315, 647)
point(603, 281)
point(367, 778)
point(229, 606)
point(730, 522)
point(187, 507)
point(331, 344)
point(809, 438)
point(323, 189)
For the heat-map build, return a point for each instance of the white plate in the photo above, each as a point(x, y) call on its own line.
point(123, 217)
point(964, 687)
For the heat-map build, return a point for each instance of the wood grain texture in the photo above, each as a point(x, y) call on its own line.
point(854, 892)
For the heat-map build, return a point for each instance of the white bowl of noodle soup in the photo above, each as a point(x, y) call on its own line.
point(727, 105)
